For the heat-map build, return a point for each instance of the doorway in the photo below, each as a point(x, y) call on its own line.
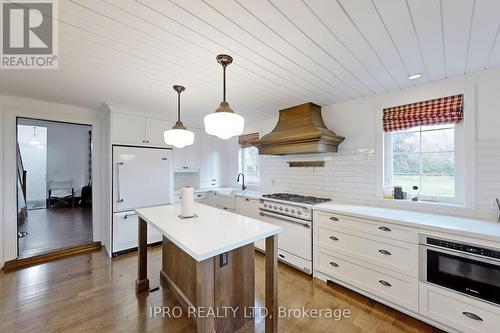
point(54, 186)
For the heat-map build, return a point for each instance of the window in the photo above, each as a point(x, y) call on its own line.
point(423, 156)
point(249, 164)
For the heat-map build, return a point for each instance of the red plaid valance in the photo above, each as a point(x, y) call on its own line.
point(438, 111)
point(248, 140)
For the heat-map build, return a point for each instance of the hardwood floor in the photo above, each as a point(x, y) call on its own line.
point(53, 229)
point(94, 293)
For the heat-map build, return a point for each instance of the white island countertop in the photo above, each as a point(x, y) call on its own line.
point(481, 229)
point(213, 232)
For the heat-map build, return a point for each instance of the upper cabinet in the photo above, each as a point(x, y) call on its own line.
point(211, 158)
point(187, 159)
point(155, 129)
point(128, 129)
point(138, 130)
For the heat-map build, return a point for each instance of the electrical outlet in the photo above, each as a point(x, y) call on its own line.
point(224, 259)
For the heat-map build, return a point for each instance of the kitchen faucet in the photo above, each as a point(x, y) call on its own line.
point(243, 187)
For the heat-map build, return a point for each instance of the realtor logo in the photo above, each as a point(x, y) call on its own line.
point(29, 34)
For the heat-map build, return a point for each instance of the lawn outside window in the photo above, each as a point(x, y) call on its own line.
point(424, 156)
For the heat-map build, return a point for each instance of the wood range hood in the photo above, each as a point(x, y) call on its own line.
point(300, 130)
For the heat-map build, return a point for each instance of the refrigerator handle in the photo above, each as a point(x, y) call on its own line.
point(119, 199)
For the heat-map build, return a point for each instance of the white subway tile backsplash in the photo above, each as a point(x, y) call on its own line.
point(350, 176)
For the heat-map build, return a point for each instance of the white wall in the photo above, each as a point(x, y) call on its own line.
point(2, 256)
point(354, 174)
point(67, 151)
point(14, 107)
point(34, 158)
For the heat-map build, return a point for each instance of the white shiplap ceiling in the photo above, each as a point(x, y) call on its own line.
point(285, 52)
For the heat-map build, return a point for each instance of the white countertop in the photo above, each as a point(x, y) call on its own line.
point(450, 224)
point(213, 232)
point(237, 192)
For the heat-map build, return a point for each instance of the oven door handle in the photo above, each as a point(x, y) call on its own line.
point(286, 218)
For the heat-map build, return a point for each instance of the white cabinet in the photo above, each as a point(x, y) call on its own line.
point(155, 129)
point(217, 159)
point(137, 130)
point(187, 159)
point(248, 207)
point(463, 313)
point(378, 258)
point(125, 232)
point(391, 286)
point(128, 129)
point(211, 156)
point(224, 201)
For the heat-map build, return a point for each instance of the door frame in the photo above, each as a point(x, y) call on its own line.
point(15, 107)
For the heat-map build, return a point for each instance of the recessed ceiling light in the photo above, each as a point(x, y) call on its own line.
point(414, 76)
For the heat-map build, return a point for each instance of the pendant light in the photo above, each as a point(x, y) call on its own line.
point(178, 136)
point(224, 123)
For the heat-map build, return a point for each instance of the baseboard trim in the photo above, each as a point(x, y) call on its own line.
point(16, 264)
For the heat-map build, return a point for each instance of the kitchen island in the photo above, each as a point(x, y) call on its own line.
point(208, 263)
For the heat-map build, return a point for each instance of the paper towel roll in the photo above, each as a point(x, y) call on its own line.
point(187, 202)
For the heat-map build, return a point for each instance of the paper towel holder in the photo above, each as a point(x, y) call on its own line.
point(188, 217)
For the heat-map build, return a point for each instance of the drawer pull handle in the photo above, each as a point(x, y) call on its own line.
point(333, 238)
point(385, 283)
point(246, 199)
point(384, 229)
point(281, 256)
point(333, 218)
point(387, 253)
point(334, 264)
point(472, 316)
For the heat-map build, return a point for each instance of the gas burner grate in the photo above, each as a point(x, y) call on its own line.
point(310, 200)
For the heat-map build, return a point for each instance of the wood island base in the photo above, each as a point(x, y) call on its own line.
point(219, 290)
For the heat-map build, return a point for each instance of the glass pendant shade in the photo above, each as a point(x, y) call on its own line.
point(224, 123)
point(178, 136)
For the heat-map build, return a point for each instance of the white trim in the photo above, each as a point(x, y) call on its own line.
point(465, 146)
point(14, 107)
point(240, 168)
point(2, 243)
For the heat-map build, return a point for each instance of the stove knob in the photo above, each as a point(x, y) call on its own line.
point(275, 207)
point(265, 205)
point(299, 212)
point(293, 211)
point(281, 208)
point(287, 210)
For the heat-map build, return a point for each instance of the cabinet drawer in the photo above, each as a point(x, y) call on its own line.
point(371, 227)
point(125, 231)
point(394, 255)
point(457, 311)
point(396, 288)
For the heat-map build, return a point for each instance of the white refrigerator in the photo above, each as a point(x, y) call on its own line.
point(142, 177)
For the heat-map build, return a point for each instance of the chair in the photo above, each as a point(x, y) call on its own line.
point(60, 191)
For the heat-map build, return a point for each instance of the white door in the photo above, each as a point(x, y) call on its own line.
point(154, 131)
point(191, 153)
point(32, 142)
point(128, 129)
point(125, 231)
point(217, 153)
point(295, 238)
point(205, 160)
point(141, 177)
point(179, 164)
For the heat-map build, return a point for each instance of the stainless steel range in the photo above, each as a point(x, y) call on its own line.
point(293, 212)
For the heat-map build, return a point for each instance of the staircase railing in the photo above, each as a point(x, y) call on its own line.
point(21, 173)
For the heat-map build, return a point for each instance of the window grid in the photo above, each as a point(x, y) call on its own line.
point(420, 130)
